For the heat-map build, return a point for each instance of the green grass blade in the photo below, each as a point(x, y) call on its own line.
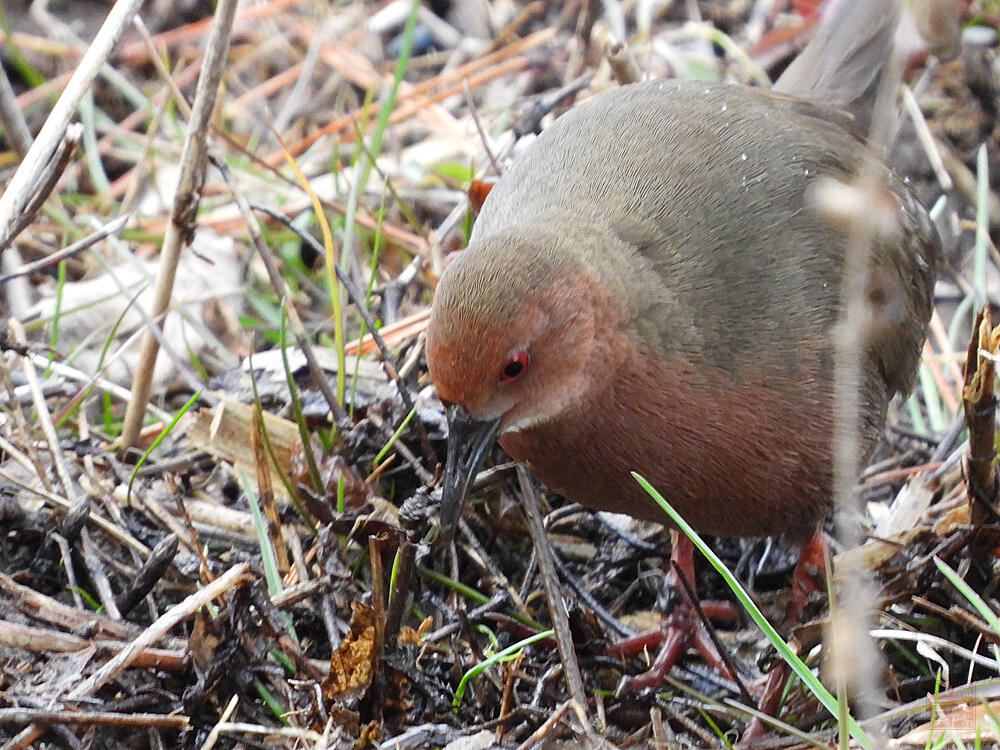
point(159, 438)
point(965, 590)
point(395, 436)
point(499, 656)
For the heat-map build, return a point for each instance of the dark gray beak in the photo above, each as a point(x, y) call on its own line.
point(469, 440)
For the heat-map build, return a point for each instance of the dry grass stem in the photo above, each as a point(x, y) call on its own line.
point(186, 198)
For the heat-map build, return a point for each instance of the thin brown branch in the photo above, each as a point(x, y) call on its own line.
point(185, 207)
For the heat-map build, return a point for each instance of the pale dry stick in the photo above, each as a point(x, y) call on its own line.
point(213, 736)
point(169, 521)
point(78, 376)
point(538, 737)
point(507, 33)
point(235, 576)
point(594, 740)
point(43, 46)
point(926, 139)
point(982, 690)
point(44, 419)
point(183, 217)
point(22, 185)
point(982, 217)
point(614, 17)
point(304, 735)
point(89, 718)
point(46, 609)
point(49, 640)
point(416, 353)
point(553, 593)
point(32, 462)
point(547, 726)
point(48, 177)
point(55, 27)
point(660, 729)
point(17, 456)
point(938, 643)
point(127, 656)
point(112, 227)
point(16, 292)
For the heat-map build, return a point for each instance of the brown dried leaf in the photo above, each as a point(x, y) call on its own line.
point(351, 663)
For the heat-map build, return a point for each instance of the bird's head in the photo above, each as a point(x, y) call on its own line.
point(515, 335)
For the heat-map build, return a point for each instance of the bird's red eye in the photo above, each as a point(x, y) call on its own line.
point(515, 367)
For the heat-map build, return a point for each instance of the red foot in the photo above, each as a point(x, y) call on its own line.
point(681, 629)
point(809, 576)
point(769, 703)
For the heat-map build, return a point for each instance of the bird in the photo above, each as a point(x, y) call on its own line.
point(653, 287)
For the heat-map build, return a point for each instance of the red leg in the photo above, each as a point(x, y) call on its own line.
point(808, 579)
point(681, 629)
point(769, 703)
point(809, 576)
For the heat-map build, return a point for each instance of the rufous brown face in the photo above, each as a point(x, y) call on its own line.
point(503, 367)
